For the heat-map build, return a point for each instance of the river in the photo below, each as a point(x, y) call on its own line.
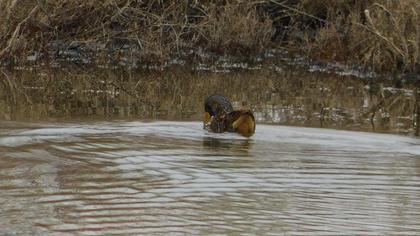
point(120, 150)
point(164, 177)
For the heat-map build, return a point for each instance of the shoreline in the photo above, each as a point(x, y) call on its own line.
point(381, 36)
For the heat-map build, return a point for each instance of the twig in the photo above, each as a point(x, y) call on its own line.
point(9, 83)
point(298, 11)
point(373, 30)
point(17, 31)
point(396, 27)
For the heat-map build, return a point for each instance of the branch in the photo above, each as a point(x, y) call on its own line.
point(17, 31)
point(373, 30)
point(298, 11)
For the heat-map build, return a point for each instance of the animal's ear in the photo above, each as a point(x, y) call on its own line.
point(206, 117)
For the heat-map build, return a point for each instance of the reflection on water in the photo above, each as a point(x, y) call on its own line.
point(277, 94)
point(141, 178)
point(237, 145)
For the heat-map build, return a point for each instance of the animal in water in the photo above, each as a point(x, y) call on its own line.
point(219, 117)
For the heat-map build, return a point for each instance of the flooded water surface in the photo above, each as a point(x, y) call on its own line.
point(121, 151)
point(325, 96)
point(131, 178)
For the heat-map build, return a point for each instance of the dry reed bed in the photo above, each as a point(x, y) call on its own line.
point(382, 35)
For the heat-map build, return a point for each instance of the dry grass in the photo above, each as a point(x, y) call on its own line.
point(236, 26)
point(157, 28)
point(382, 35)
point(378, 34)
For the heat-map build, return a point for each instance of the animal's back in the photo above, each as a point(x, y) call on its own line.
point(217, 105)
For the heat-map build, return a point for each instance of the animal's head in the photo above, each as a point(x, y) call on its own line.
point(206, 118)
point(245, 124)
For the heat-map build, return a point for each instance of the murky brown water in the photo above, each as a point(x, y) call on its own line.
point(132, 178)
point(278, 94)
point(64, 170)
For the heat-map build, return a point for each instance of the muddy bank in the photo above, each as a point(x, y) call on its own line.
point(382, 36)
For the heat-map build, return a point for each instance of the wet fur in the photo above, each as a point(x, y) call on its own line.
point(225, 119)
point(217, 105)
point(242, 121)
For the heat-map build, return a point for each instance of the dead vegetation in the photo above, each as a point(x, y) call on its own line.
point(382, 35)
point(157, 29)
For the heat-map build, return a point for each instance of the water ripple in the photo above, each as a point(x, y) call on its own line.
point(174, 178)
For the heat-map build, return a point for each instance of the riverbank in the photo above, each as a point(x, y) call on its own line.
point(379, 36)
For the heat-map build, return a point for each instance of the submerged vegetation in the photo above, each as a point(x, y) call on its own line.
point(284, 96)
point(380, 35)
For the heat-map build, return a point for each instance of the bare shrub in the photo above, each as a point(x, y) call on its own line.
point(383, 35)
point(237, 26)
point(157, 28)
point(379, 34)
point(390, 35)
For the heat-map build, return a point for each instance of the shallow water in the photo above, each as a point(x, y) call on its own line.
point(97, 178)
point(277, 94)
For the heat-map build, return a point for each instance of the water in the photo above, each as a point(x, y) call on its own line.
point(278, 94)
point(130, 177)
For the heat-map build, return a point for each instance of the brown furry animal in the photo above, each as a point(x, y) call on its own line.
point(220, 117)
